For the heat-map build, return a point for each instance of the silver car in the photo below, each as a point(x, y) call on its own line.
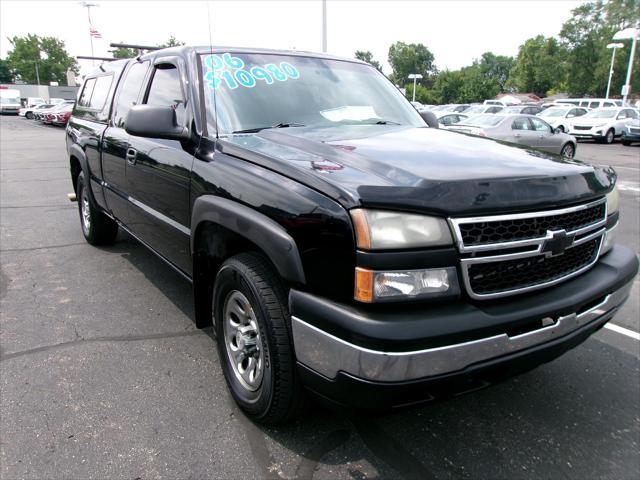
point(526, 130)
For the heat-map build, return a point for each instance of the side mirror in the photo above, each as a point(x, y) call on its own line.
point(430, 119)
point(154, 122)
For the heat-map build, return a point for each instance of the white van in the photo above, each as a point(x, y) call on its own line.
point(9, 101)
point(589, 102)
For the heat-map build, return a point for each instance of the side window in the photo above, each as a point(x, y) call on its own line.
point(580, 111)
point(521, 123)
point(594, 104)
point(632, 114)
point(100, 92)
point(540, 126)
point(87, 91)
point(609, 104)
point(584, 104)
point(128, 92)
point(447, 120)
point(166, 91)
point(622, 115)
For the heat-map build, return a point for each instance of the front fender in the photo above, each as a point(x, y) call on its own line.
point(256, 227)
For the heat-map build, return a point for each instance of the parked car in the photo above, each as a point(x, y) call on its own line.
point(526, 130)
point(61, 116)
point(591, 103)
point(631, 133)
point(9, 101)
point(524, 109)
point(602, 124)
point(446, 119)
point(479, 109)
point(29, 112)
point(495, 102)
point(42, 115)
point(338, 245)
point(458, 107)
point(559, 117)
point(33, 101)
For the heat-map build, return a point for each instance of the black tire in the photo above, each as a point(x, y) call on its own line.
point(278, 396)
point(29, 115)
point(626, 143)
point(99, 229)
point(568, 150)
point(609, 136)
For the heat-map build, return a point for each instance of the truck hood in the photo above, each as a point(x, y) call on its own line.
point(421, 169)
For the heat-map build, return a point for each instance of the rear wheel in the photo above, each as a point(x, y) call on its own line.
point(609, 137)
point(251, 321)
point(97, 228)
point(569, 150)
point(29, 115)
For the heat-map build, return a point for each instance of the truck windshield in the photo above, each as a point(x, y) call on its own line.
point(9, 101)
point(247, 92)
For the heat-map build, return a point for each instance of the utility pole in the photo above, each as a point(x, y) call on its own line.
point(88, 6)
point(614, 46)
point(630, 33)
point(324, 26)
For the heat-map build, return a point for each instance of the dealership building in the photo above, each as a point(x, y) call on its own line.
point(46, 92)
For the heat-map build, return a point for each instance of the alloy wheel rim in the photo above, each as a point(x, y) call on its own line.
point(568, 151)
point(85, 212)
point(610, 136)
point(242, 341)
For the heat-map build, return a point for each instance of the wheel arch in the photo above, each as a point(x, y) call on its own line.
point(222, 228)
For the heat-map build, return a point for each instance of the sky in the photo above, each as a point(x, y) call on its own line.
point(456, 31)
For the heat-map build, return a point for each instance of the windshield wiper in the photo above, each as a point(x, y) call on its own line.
point(278, 125)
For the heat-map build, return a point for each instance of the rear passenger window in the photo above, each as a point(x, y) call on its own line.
point(87, 91)
point(128, 92)
point(594, 104)
point(165, 90)
point(521, 124)
point(100, 92)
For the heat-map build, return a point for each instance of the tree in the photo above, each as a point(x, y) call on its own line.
point(5, 72)
point(367, 56)
point(539, 66)
point(49, 53)
point(406, 59)
point(125, 52)
point(446, 88)
point(476, 86)
point(172, 42)
point(585, 36)
point(496, 67)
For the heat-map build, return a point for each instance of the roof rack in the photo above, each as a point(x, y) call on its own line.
point(136, 47)
point(88, 57)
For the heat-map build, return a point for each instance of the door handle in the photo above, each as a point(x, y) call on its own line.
point(132, 153)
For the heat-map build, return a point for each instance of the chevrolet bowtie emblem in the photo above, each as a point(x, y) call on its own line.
point(556, 243)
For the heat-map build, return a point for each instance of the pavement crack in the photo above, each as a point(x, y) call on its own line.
point(49, 247)
point(106, 339)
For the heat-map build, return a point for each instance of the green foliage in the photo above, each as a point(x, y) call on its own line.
point(585, 36)
point(5, 72)
point(50, 54)
point(172, 42)
point(447, 86)
point(539, 65)
point(406, 59)
point(423, 95)
point(367, 56)
point(497, 68)
point(476, 86)
point(132, 52)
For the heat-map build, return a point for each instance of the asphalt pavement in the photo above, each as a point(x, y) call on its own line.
point(104, 375)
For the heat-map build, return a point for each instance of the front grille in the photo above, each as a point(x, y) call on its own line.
point(635, 130)
point(510, 230)
point(577, 127)
point(500, 276)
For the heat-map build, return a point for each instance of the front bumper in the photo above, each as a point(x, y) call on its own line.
point(630, 137)
point(594, 133)
point(421, 346)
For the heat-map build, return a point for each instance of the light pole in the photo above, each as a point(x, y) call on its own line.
point(415, 77)
point(626, 34)
point(88, 6)
point(324, 26)
point(613, 46)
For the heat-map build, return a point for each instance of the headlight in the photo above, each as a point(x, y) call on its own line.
point(380, 230)
point(373, 286)
point(613, 201)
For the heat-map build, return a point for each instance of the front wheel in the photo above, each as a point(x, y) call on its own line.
point(97, 228)
point(251, 322)
point(609, 137)
point(29, 115)
point(568, 150)
point(626, 143)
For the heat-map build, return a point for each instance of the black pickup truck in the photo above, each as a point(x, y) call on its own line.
point(338, 244)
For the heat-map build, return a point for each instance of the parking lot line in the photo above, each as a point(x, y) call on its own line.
point(623, 331)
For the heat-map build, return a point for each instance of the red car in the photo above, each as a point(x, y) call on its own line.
point(61, 116)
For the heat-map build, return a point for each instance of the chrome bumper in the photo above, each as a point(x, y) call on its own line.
point(327, 354)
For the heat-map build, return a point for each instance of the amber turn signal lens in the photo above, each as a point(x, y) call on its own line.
point(363, 236)
point(364, 285)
